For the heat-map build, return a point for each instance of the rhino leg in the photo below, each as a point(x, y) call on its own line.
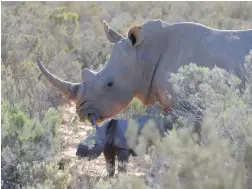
point(123, 158)
point(109, 155)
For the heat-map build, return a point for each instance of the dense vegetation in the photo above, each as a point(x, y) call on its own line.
point(69, 35)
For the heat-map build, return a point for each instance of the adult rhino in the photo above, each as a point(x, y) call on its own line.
point(140, 64)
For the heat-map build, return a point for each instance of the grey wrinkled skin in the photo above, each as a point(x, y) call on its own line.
point(90, 152)
point(110, 139)
point(95, 143)
point(140, 65)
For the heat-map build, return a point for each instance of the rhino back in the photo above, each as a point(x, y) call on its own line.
point(195, 43)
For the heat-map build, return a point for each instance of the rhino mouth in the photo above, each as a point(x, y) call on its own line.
point(89, 114)
point(86, 111)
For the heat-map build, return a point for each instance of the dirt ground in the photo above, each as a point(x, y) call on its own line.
point(72, 132)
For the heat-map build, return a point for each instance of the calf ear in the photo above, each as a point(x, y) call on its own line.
point(111, 34)
point(135, 35)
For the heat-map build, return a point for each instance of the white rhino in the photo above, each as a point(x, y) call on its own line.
point(140, 64)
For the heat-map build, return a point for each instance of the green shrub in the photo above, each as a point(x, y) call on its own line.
point(223, 160)
point(54, 175)
point(42, 175)
point(133, 109)
point(64, 26)
point(25, 139)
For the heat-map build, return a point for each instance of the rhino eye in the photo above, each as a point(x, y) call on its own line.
point(110, 84)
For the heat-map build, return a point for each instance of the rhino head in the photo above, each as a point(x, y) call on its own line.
point(105, 93)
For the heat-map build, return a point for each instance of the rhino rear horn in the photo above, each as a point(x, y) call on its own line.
point(68, 89)
point(88, 76)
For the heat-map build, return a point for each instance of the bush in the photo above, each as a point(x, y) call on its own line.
point(223, 159)
point(135, 108)
point(42, 175)
point(25, 139)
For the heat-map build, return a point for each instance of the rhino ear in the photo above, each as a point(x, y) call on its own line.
point(111, 34)
point(135, 35)
point(88, 76)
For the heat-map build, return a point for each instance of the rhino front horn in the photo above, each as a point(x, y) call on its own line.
point(68, 89)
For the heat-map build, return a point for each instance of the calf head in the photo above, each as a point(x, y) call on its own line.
point(88, 148)
point(105, 93)
point(93, 145)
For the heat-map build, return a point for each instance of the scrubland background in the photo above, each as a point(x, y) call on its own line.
point(67, 36)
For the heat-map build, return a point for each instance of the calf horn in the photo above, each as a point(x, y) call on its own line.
point(66, 88)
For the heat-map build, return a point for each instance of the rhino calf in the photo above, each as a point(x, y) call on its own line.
point(111, 139)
